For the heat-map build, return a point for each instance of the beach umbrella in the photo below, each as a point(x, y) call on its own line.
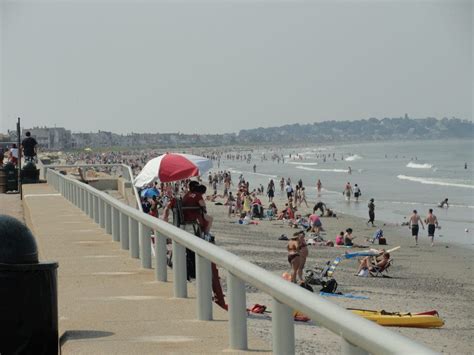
point(149, 193)
point(172, 167)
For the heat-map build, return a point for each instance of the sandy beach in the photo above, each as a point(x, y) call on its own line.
point(422, 278)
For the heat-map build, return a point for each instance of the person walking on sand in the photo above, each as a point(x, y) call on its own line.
point(413, 223)
point(282, 184)
point(432, 222)
point(271, 190)
point(319, 185)
point(371, 206)
point(303, 197)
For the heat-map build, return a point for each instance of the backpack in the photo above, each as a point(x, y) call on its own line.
point(329, 286)
point(382, 241)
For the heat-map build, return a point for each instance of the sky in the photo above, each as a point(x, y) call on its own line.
point(222, 66)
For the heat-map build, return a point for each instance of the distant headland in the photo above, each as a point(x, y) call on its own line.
point(372, 129)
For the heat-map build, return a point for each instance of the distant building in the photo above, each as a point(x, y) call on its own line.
point(51, 137)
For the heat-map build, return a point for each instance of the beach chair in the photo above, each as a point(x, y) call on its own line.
point(333, 266)
point(381, 272)
point(377, 235)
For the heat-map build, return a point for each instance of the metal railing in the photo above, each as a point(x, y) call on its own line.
point(126, 173)
point(133, 229)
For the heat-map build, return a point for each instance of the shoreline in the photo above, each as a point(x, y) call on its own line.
point(422, 278)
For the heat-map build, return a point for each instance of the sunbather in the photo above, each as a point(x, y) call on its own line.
point(366, 265)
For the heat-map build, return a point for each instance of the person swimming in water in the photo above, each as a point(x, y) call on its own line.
point(443, 203)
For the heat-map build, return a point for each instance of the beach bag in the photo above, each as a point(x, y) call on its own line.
point(329, 286)
point(382, 241)
point(306, 286)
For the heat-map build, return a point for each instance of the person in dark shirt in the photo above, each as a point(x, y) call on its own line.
point(319, 206)
point(29, 146)
point(194, 198)
point(371, 206)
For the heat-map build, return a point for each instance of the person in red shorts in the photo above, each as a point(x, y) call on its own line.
point(194, 198)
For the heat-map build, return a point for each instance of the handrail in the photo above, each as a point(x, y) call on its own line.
point(359, 336)
point(125, 168)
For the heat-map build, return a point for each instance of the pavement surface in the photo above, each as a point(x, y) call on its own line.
point(107, 302)
point(11, 204)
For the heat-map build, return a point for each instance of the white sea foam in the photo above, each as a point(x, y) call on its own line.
point(434, 181)
point(419, 166)
point(299, 163)
point(324, 170)
point(353, 157)
point(428, 204)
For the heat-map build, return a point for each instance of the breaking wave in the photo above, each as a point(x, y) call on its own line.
point(353, 157)
point(298, 163)
point(419, 166)
point(434, 181)
point(324, 170)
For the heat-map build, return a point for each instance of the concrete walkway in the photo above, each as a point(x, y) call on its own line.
point(107, 303)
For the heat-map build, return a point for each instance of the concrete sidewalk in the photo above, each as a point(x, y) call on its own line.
point(107, 303)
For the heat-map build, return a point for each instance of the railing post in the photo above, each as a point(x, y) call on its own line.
point(86, 202)
point(124, 239)
point(203, 288)
point(71, 192)
point(82, 200)
point(179, 271)
point(96, 210)
point(101, 213)
point(237, 313)
point(283, 330)
point(133, 234)
point(161, 272)
point(145, 246)
point(91, 205)
point(350, 349)
point(115, 224)
point(108, 218)
point(74, 194)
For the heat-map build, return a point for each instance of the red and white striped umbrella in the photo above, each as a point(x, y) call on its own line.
point(172, 167)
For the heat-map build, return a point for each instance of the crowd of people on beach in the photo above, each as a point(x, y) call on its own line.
point(253, 204)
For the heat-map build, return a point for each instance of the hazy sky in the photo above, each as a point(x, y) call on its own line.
point(214, 67)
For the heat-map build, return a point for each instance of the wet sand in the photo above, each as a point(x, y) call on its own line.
point(422, 278)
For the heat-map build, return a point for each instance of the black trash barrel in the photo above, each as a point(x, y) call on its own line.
point(28, 294)
point(12, 177)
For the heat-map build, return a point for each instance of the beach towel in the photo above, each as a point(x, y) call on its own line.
point(344, 295)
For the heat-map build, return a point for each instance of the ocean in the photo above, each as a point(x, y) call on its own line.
point(400, 176)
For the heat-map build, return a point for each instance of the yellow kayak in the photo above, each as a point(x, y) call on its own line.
point(390, 319)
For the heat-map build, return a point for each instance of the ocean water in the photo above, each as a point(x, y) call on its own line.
point(400, 176)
